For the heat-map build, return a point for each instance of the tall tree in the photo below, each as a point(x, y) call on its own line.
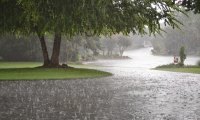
point(88, 17)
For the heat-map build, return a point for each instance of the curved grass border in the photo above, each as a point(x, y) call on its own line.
point(177, 68)
point(50, 73)
point(195, 70)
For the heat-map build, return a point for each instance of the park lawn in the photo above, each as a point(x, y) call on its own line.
point(5, 64)
point(27, 71)
point(184, 69)
point(19, 64)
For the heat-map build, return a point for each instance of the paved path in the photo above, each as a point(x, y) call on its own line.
point(128, 95)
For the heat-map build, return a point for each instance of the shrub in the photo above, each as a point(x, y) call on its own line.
point(182, 56)
point(198, 63)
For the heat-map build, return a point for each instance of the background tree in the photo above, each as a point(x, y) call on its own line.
point(170, 42)
point(20, 48)
point(91, 17)
point(79, 48)
point(109, 44)
point(123, 43)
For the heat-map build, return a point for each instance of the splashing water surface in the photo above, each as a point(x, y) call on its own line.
point(134, 92)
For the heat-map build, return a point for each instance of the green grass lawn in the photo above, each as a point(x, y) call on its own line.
point(35, 64)
point(26, 71)
point(185, 70)
point(19, 64)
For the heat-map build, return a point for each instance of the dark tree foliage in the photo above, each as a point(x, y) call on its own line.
point(83, 17)
point(191, 5)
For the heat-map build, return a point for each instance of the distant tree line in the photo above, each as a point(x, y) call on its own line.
point(77, 48)
point(115, 45)
point(19, 48)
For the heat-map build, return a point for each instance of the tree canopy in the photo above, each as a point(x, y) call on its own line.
point(73, 17)
point(88, 17)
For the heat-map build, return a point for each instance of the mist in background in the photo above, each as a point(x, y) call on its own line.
point(84, 48)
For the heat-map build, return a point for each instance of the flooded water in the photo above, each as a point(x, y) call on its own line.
point(134, 92)
point(143, 58)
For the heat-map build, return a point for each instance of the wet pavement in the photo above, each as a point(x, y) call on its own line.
point(132, 93)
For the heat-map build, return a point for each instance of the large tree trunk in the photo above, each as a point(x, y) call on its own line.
point(56, 50)
point(54, 62)
point(44, 51)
